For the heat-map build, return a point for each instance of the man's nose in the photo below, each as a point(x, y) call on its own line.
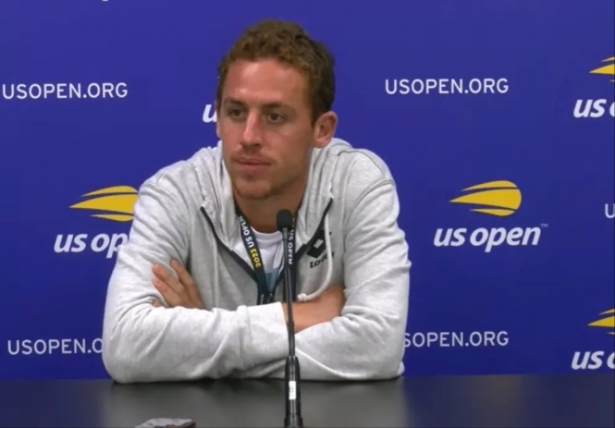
point(252, 132)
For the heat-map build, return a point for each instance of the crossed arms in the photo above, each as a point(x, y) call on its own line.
point(155, 327)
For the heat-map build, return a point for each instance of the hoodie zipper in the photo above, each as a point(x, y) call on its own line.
point(247, 267)
point(234, 255)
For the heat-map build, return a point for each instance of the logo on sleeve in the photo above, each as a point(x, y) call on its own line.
point(318, 250)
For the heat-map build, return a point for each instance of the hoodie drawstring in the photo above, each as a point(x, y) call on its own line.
point(303, 297)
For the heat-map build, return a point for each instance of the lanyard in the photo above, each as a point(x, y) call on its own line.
point(265, 294)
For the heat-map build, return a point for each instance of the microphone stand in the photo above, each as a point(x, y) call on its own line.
point(293, 417)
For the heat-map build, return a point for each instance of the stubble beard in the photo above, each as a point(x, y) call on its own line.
point(260, 189)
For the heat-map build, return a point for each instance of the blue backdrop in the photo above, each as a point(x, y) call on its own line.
point(496, 118)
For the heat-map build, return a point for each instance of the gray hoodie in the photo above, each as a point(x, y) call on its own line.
point(186, 211)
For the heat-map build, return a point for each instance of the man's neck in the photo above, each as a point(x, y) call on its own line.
point(262, 214)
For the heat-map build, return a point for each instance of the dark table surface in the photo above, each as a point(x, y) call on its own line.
point(572, 400)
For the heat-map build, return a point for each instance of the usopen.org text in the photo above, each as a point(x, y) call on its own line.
point(446, 339)
point(20, 347)
point(63, 91)
point(446, 86)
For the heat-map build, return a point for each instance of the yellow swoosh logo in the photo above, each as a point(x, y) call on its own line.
point(608, 70)
point(606, 322)
point(114, 203)
point(499, 198)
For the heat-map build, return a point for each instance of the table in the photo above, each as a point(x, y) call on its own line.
point(565, 400)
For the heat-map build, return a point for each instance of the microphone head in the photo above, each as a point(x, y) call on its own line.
point(284, 220)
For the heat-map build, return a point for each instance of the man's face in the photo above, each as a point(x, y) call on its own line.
point(265, 126)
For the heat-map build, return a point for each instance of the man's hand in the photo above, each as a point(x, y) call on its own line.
point(320, 310)
point(176, 293)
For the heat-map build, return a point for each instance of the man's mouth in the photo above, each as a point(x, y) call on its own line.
point(251, 165)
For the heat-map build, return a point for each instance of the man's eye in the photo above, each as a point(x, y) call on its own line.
point(275, 117)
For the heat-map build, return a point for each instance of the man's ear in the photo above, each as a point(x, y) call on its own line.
point(324, 128)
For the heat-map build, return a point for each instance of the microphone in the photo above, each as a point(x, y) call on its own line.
point(292, 379)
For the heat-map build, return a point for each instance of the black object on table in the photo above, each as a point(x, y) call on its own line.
point(565, 400)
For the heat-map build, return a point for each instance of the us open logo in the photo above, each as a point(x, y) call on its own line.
point(115, 204)
point(595, 108)
point(501, 198)
point(598, 359)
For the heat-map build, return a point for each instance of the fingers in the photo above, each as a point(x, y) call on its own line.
point(172, 298)
point(168, 286)
point(165, 276)
point(180, 291)
point(186, 280)
point(183, 275)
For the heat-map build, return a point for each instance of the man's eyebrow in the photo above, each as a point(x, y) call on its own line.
point(232, 101)
point(275, 104)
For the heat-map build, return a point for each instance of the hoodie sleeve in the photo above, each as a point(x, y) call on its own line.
point(142, 343)
point(367, 341)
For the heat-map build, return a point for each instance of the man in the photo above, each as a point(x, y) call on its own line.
point(187, 300)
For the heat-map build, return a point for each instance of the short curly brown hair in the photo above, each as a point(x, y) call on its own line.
point(289, 43)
